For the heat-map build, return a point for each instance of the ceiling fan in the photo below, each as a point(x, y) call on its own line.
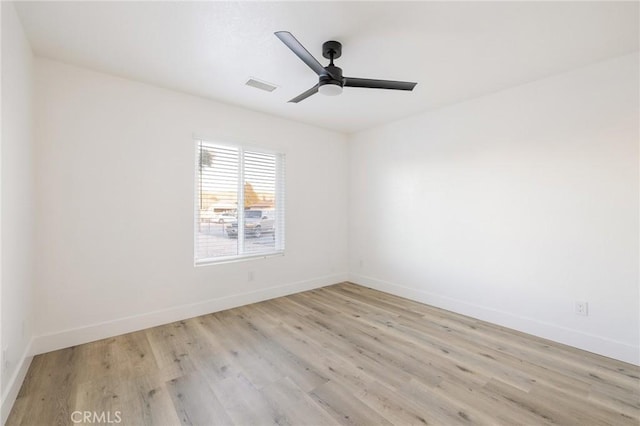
point(331, 80)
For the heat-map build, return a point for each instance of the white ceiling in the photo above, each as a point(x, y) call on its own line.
point(454, 50)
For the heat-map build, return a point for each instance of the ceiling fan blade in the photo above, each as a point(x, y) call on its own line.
point(305, 95)
point(378, 84)
point(296, 47)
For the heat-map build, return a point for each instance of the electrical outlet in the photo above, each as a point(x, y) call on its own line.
point(582, 308)
point(251, 276)
point(360, 264)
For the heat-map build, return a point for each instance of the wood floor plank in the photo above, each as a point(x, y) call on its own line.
point(343, 354)
point(154, 406)
point(571, 405)
point(244, 403)
point(480, 402)
point(171, 345)
point(51, 387)
point(295, 407)
point(195, 402)
point(345, 407)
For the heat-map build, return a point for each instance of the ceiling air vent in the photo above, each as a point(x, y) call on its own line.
point(262, 85)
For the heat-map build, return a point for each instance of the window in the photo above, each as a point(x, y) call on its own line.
point(239, 203)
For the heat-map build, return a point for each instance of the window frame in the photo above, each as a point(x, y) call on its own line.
point(279, 201)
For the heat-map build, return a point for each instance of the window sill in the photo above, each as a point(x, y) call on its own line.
point(235, 259)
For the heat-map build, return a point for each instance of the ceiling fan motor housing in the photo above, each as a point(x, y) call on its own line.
point(331, 83)
point(333, 76)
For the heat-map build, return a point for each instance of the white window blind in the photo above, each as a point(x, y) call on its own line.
point(239, 210)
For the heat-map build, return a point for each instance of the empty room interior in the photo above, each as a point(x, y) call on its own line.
point(319, 213)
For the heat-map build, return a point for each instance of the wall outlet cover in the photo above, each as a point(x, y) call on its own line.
point(582, 308)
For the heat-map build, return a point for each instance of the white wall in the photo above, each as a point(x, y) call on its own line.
point(511, 207)
point(17, 205)
point(115, 175)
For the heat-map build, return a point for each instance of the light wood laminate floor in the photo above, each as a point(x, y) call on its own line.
point(343, 354)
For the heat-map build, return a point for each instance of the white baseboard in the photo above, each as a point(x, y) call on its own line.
point(15, 383)
point(76, 336)
point(578, 339)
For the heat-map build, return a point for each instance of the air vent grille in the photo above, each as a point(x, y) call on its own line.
point(262, 85)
